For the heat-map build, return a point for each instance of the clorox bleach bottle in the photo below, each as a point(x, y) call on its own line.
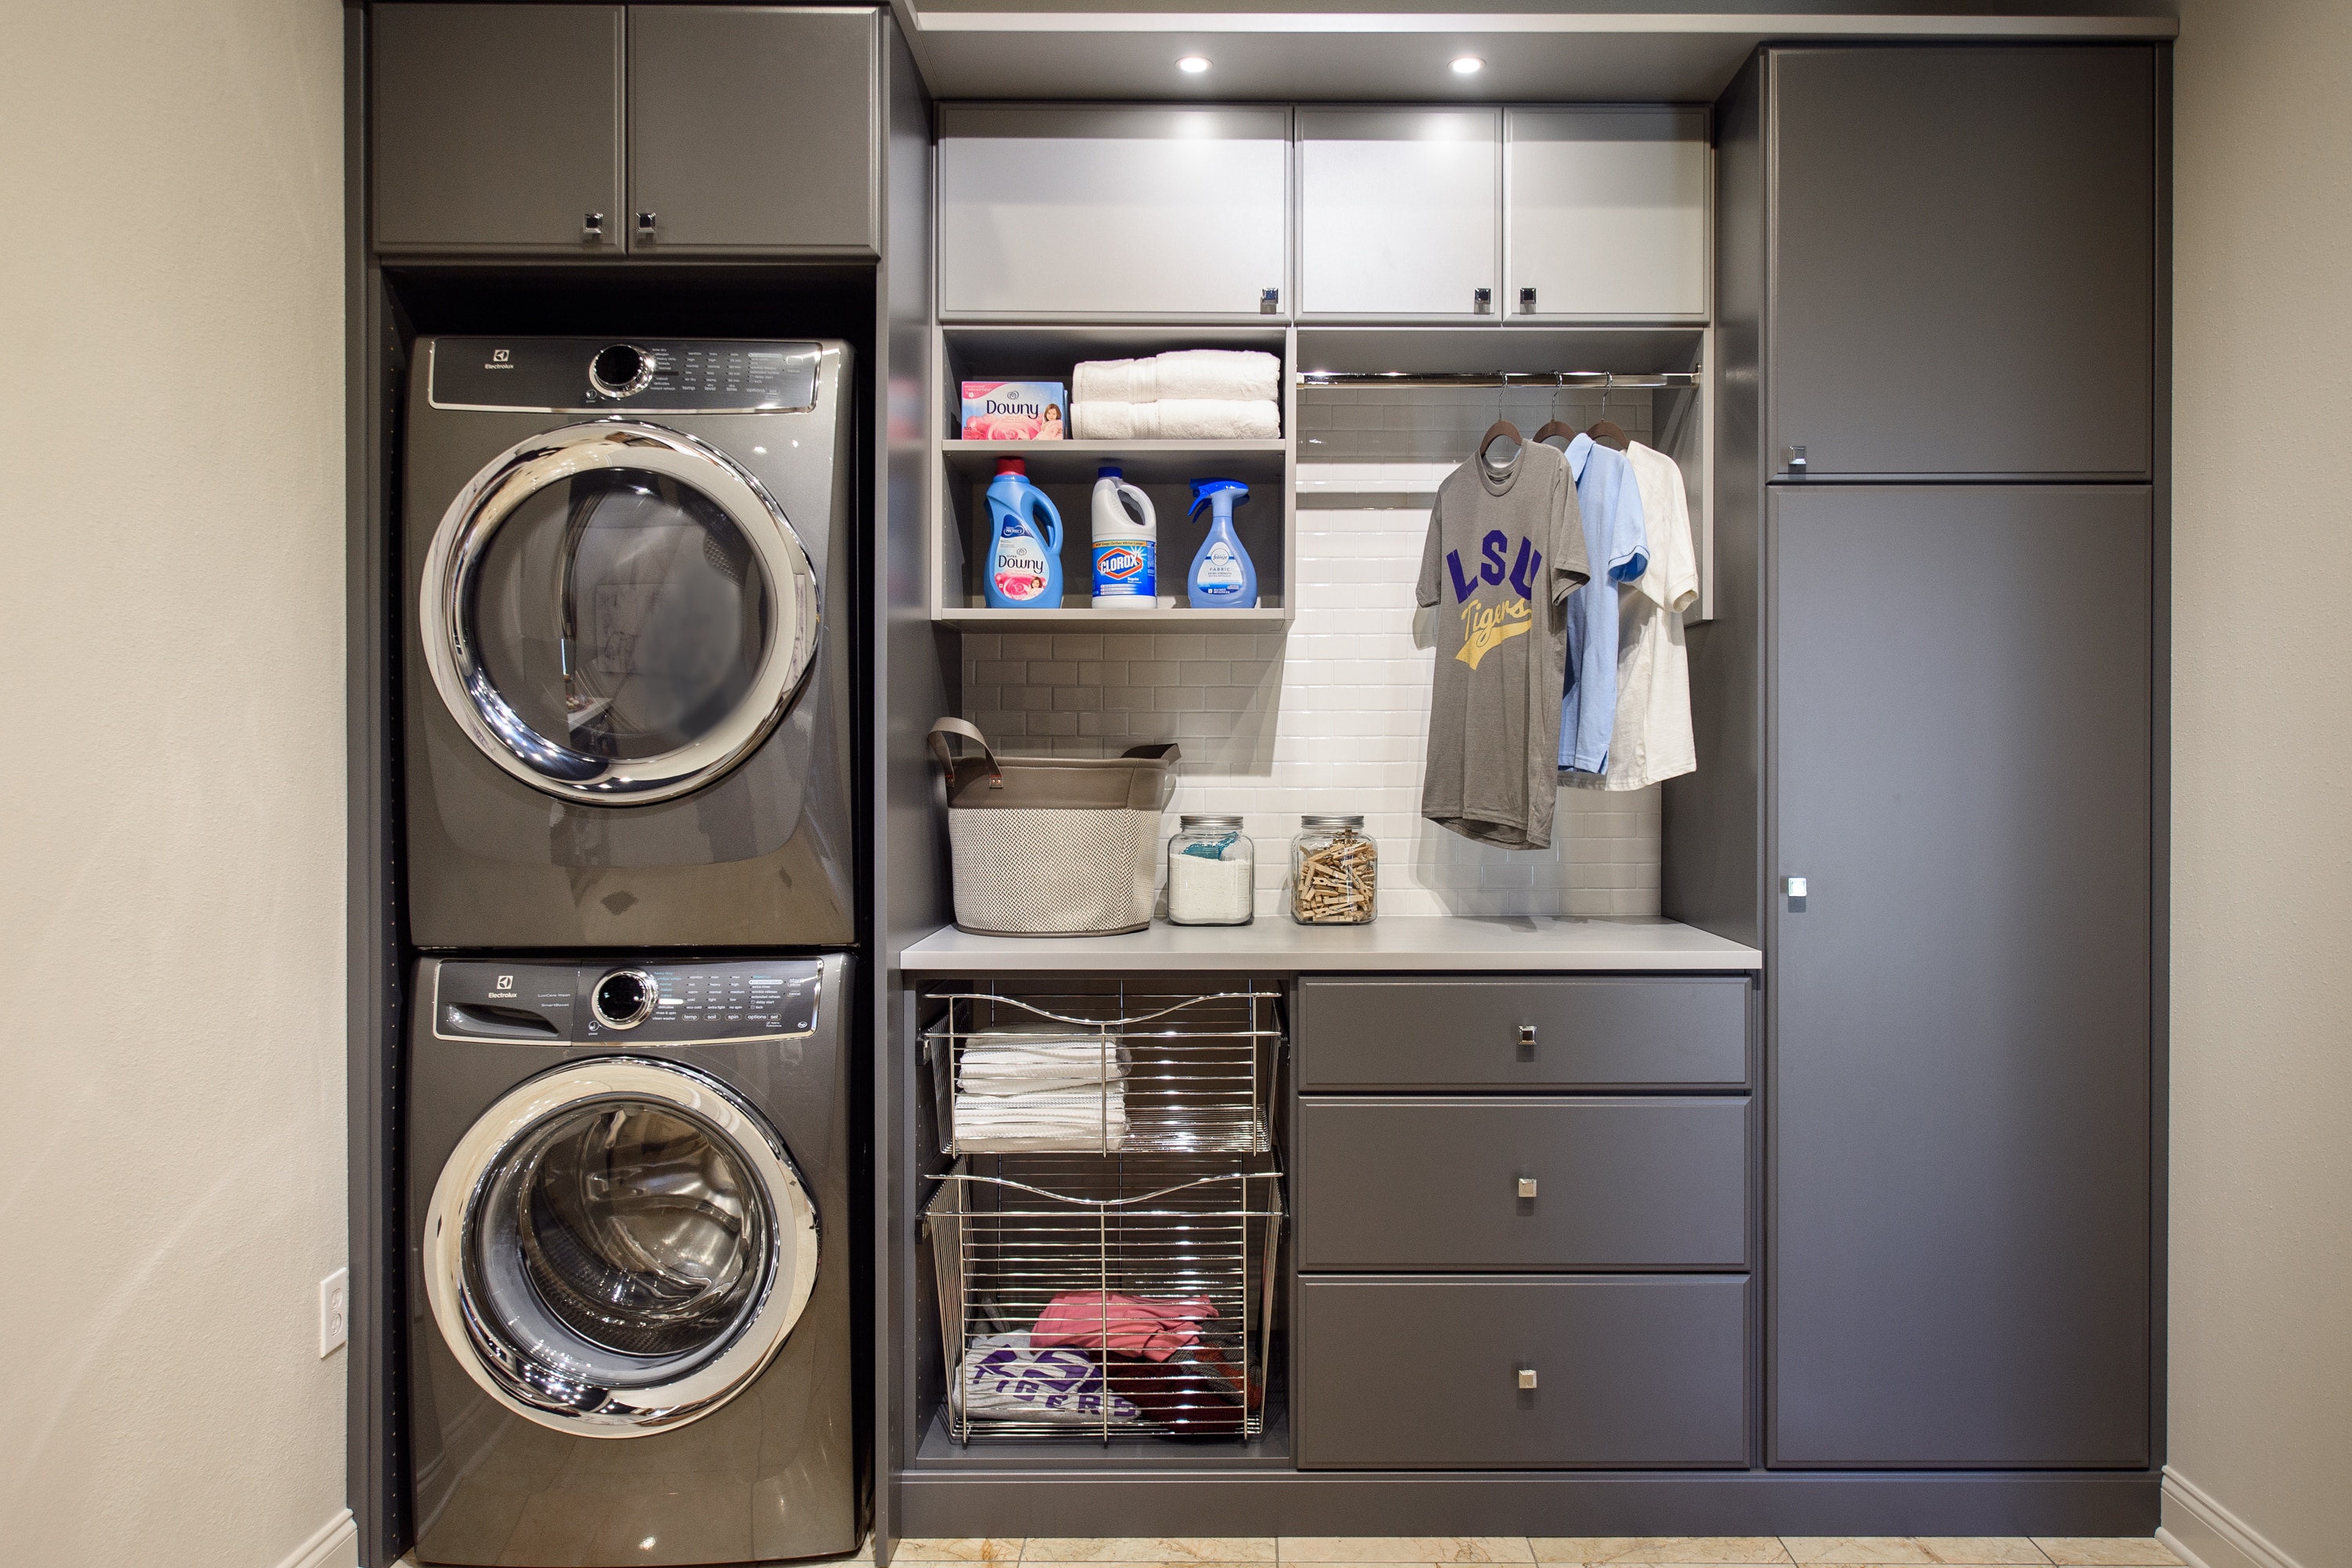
point(1025, 558)
point(1126, 545)
point(1222, 577)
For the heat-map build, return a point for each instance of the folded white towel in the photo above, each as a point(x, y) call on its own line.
point(1001, 1067)
point(1090, 1118)
point(1223, 375)
point(1217, 419)
point(1115, 381)
point(1183, 419)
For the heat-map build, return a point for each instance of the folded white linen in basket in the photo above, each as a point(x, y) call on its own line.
point(1231, 375)
point(1002, 1379)
point(995, 1065)
point(1185, 419)
point(1093, 1117)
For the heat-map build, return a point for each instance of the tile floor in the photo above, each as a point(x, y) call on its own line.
point(1650, 1552)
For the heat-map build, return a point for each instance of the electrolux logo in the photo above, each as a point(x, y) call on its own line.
point(500, 359)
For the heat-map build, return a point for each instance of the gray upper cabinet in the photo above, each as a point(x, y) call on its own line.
point(1963, 262)
point(1400, 213)
point(1606, 213)
point(497, 127)
point(1048, 210)
point(752, 130)
point(1960, 1146)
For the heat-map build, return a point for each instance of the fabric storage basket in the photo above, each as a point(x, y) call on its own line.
point(1053, 846)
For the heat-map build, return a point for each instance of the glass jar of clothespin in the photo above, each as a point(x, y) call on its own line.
point(1334, 872)
point(1211, 873)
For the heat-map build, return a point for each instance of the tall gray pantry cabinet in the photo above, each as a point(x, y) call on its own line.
point(1940, 526)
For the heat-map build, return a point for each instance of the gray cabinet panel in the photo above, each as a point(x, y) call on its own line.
point(1631, 1372)
point(751, 130)
point(1964, 266)
point(1960, 1029)
point(1596, 1033)
point(497, 127)
point(1434, 1183)
point(1400, 213)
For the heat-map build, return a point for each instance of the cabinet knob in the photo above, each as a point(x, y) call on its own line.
point(1269, 301)
point(1527, 302)
point(592, 225)
point(1526, 1034)
point(646, 225)
point(1793, 459)
point(1482, 301)
point(1527, 1377)
point(1526, 1186)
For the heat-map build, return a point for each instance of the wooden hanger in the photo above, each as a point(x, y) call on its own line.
point(1499, 427)
point(1609, 432)
point(1565, 431)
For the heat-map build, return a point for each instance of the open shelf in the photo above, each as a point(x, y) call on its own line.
point(1145, 462)
point(1155, 619)
point(1066, 471)
point(1126, 1450)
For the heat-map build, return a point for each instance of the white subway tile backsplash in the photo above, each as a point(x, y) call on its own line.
point(1333, 716)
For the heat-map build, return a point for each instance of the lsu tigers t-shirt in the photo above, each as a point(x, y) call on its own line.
point(1505, 550)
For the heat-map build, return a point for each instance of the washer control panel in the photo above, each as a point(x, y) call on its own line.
point(628, 1000)
point(653, 375)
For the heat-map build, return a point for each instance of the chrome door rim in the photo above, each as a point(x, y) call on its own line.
point(544, 1394)
point(464, 537)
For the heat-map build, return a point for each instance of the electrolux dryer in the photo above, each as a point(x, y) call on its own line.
point(628, 672)
point(629, 1259)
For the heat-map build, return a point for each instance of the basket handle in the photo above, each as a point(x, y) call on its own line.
point(943, 728)
point(1166, 752)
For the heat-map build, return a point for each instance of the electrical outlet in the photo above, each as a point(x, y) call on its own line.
point(334, 1312)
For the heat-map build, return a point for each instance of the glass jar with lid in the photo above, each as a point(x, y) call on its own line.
point(1334, 872)
point(1211, 873)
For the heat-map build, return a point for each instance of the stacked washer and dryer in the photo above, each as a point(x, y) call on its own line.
point(631, 866)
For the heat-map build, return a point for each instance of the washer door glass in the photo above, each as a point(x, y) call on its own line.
point(616, 612)
point(619, 1248)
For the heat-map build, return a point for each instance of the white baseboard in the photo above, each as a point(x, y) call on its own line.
point(2204, 1534)
point(336, 1544)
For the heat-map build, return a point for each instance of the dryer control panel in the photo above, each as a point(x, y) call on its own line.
point(657, 1001)
point(612, 376)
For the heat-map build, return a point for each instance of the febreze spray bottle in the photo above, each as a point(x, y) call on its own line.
point(1025, 558)
point(1221, 577)
point(1126, 545)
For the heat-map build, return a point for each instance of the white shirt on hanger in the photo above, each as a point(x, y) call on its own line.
point(1652, 738)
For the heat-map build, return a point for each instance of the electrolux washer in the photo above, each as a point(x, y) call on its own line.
point(628, 689)
point(630, 1338)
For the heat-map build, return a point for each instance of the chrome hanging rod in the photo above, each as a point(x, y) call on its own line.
point(1403, 380)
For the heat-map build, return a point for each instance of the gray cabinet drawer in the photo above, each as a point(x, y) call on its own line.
point(1433, 1184)
point(1598, 1032)
point(1630, 1371)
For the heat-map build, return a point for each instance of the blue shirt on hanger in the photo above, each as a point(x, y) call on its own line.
point(1616, 543)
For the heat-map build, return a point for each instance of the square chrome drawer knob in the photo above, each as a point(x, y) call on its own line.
point(1528, 1190)
point(1527, 1377)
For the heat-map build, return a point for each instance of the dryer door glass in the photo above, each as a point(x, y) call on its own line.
point(623, 612)
point(616, 612)
point(621, 1244)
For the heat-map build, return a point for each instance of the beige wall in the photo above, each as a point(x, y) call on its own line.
point(171, 797)
point(2261, 884)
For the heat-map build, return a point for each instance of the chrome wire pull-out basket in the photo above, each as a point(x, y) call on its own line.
point(1115, 1072)
point(1082, 1296)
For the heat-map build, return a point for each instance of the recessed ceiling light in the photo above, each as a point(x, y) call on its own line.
point(1192, 65)
point(1468, 65)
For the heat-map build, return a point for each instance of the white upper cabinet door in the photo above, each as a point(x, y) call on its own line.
point(1608, 212)
point(1398, 212)
point(1106, 212)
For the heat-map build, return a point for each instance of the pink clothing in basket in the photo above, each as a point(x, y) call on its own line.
point(1137, 1325)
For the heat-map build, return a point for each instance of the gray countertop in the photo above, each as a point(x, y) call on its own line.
point(1281, 946)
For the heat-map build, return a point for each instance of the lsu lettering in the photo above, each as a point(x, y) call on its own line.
point(1484, 625)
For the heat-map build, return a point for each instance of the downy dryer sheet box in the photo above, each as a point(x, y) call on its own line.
point(1015, 411)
